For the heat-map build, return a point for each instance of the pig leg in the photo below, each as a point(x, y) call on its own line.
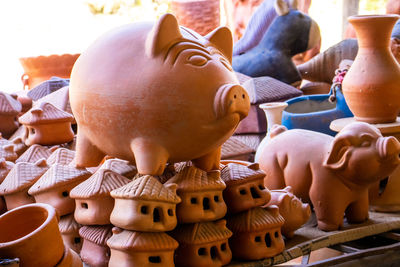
point(150, 158)
point(87, 154)
point(357, 212)
point(209, 161)
point(328, 210)
point(274, 178)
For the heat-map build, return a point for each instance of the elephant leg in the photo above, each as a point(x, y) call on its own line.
point(87, 154)
point(329, 212)
point(150, 158)
point(357, 212)
point(209, 161)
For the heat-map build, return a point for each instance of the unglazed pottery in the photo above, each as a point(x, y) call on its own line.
point(120, 166)
point(70, 259)
point(130, 248)
point(158, 75)
point(201, 195)
point(256, 233)
point(61, 156)
point(202, 244)
point(292, 210)
point(19, 145)
point(34, 153)
point(5, 168)
point(332, 173)
point(244, 187)
point(145, 205)
point(95, 251)
point(69, 230)
point(9, 110)
point(35, 241)
point(371, 86)
point(47, 125)
point(54, 186)
point(7, 152)
point(93, 203)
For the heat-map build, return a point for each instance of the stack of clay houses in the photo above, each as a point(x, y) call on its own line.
point(93, 206)
point(256, 230)
point(9, 110)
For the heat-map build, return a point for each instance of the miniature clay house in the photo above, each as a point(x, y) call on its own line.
point(7, 152)
point(131, 248)
point(145, 205)
point(69, 230)
point(15, 186)
point(19, 145)
point(202, 244)
point(95, 251)
point(256, 233)
point(244, 187)
point(5, 168)
point(55, 184)
point(34, 153)
point(201, 195)
point(120, 166)
point(9, 110)
point(47, 125)
point(61, 156)
point(93, 203)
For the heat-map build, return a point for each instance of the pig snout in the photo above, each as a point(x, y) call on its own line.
point(231, 98)
point(389, 148)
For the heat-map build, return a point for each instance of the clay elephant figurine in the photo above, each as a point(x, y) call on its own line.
point(334, 174)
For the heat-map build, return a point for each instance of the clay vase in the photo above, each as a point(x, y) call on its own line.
point(273, 112)
point(371, 86)
point(31, 234)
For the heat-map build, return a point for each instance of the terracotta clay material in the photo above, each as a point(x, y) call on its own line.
point(37, 241)
point(7, 152)
point(120, 166)
point(15, 186)
point(145, 205)
point(47, 125)
point(130, 248)
point(70, 259)
point(9, 110)
point(69, 230)
point(196, 115)
point(61, 156)
point(244, 187)
point(291, 208)
point(19, 145)
point(95, 251)
point(202, 244)
point(201, 195)
point(336, 173)
point(34, 153)
point(59, 99)
point(371, 86)
point(54, 186)
point(93, 203)
point(5, 168)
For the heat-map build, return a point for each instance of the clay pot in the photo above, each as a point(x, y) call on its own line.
point(35, 241)
point(371, 84)
point(70, 259)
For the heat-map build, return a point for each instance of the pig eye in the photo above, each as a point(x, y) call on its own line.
point(366, 144)
point(198, 60)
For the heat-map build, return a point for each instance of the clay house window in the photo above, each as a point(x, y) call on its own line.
point(156, 214)
point(84, 205)
point(155, 259)
point(193, 200)
point(144, 210)
point(65, 193)
point(77, 240)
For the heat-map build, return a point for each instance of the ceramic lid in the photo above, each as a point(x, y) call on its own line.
point(9, 105)
point(201, 233)
point(120, 166)
point(256, 219)
point(98, 234)
point(141, 241)
point(147, 187)
point(192, 179)
point(34, 153)
point(7, 152)
point(62, 156)
point(56, 176)
point(234, 173)
point(22, 176)
point(45, 113)
point(101, 183)
point(68, 225)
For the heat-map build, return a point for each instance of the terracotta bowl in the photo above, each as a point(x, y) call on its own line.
point(31, 234)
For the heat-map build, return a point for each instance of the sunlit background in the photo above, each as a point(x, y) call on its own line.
point(44, 27)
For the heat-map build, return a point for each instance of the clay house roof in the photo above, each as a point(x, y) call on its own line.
point(234, 173)
point(192, 179)
point(68, 225)
point(5, 168)
point(56, 176)
point(62, 156)
point(19, 145)
point(9, 105)
point(98, 234)
point(7, 152)
point(257, 219)
point(201, 233)
point(45, 113)
point(47, 87)
point(59, 99)
point(140, 241)
point(147, 187)
point(101, 183)
point(234, 147)
point(4, 141)
point(34, 153)
point(22, 176)
point(120, 166)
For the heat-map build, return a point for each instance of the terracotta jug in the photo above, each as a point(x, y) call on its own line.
point(371, 86)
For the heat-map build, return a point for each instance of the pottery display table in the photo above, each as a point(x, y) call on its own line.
point(384, 195)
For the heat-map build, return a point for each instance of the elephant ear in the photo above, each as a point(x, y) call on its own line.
point(339, 154)
point(164, 34)
point(222, 39)
point(281, 7)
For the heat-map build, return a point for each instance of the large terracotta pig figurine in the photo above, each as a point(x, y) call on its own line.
point(156, 93)
point(332, 173)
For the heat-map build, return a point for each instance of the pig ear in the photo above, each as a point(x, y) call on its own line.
point(222, 39)
point(164, 33)
point(281, 7)
point(339, 155)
